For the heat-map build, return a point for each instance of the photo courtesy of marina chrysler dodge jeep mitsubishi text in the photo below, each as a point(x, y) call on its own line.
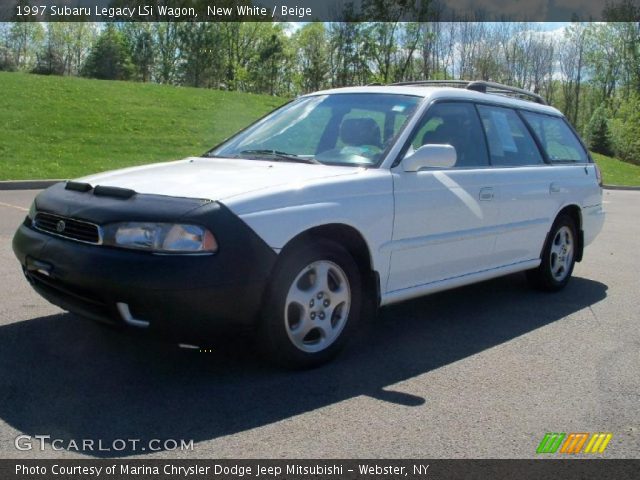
point(337, 201)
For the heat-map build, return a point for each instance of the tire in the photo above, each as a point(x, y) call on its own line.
point(558, 257)
point(312, 306)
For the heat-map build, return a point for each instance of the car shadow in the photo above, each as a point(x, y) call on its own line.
point(72, 379)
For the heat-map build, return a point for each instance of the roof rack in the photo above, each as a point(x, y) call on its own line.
point(479, 86)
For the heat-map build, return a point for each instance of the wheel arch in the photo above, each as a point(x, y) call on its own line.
point(575, 213)
point(353, 241)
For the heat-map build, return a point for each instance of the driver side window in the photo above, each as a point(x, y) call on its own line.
point(456, 124)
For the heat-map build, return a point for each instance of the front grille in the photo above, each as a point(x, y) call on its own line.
point(70, 228)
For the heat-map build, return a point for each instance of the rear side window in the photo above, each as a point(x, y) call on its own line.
point(510, 143)
point(557, 139)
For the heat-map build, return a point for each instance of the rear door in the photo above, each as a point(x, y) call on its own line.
point(532, 190)
point(574, 177)
point(574, 172)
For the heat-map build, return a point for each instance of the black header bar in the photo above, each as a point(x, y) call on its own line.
point(317, 10)
point(158, 469)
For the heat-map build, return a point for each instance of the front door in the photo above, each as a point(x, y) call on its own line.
point(445, 218)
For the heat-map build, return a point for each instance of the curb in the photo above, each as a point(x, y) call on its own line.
point(26, 184)
point(620, 187)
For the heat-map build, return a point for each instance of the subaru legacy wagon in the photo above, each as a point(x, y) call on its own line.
point(337, 202)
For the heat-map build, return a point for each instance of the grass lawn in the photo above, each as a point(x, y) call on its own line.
point(615, 172)
point(63, 127)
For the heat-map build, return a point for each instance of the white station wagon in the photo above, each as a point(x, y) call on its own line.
point(338, 201)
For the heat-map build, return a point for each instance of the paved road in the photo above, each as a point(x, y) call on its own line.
point(482, 371)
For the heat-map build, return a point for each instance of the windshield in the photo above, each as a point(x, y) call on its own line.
point(338, 129)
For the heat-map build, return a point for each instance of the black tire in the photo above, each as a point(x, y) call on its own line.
point(543, 278)
point(275, 333)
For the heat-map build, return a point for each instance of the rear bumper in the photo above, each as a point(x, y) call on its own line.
point(181, 296)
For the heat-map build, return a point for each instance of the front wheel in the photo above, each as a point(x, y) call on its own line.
point(558, 257)
point(312, 306)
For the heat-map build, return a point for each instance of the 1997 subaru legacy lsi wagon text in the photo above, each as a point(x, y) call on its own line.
point(337, 201)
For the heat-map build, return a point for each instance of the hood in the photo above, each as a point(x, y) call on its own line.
point(214, 178)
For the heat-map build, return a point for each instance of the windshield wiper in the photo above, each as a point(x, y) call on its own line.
point(276, 154)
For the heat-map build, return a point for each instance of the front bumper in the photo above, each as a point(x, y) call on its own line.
point(183, 296)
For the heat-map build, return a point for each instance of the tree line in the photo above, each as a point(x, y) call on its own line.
point(590, 71)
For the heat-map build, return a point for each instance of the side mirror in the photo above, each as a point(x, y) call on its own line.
point(430, 156)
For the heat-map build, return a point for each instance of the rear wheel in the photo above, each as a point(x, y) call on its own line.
point(313, 305)
point(558, 257)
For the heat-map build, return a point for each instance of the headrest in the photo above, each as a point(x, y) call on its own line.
point(360, 131)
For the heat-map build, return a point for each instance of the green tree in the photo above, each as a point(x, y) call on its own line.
point(6, 57)
point(76, 40)
point(571, 56)
point(24, 41)
point(603, 57)
point(167, 46)
point(625, 130)
point(617, 14)
point(347, 57)
point(269, 70)
point(241, 40)
point(141, 45)
point(50, 59)
point(597, 132)
point(312, 52)
point(200, 54)
point(109, 58)
point(411, 37)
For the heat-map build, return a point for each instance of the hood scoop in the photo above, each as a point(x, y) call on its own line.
point(78, 186)
point(101, 191)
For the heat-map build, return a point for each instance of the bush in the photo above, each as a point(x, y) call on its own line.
point(625, 131)
point(597, 132)
point(49, 62)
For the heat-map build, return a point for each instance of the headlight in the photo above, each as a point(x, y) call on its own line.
point(161, 237)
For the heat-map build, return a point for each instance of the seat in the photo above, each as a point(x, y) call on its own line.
point(455, 133)
point(357, 132)
point(439, 136)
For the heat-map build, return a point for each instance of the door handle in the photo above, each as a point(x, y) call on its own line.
point(554, 188)
point(486, 194)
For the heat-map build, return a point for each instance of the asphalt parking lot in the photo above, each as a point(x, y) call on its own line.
point(481, 372)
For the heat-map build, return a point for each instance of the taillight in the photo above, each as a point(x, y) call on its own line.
point(598, 174)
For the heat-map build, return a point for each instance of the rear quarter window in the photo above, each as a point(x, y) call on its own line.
point(556, 138)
